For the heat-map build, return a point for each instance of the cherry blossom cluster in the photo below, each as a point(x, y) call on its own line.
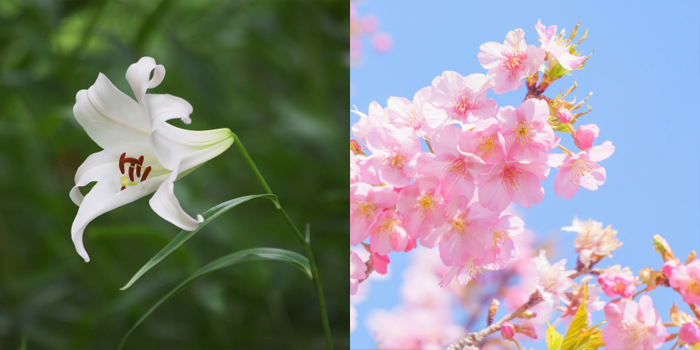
point(533, 290)
point(361, 26)
point(478, 158)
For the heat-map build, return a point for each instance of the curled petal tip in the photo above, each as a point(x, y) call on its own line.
point(200, 218)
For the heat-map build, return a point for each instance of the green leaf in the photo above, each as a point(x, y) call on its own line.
point(246, 255)
point(184, 235)
point(578, 324)
point(553, 338)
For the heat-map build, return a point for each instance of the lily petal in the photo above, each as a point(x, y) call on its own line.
point(186, 149)
point(166, 205)
point(139, 73)
point(106, 196)
point(162, 107)
point(97, 166)
point(112, 119)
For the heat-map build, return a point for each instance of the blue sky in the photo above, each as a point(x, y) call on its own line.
point(645, 82)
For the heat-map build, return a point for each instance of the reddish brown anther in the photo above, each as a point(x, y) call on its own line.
point(121, 162)
point(138, 168)
point(145, 173)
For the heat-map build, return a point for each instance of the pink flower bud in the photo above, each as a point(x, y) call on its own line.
point(507, 330)
point(585, 134)
point(564, 115)
point(689, 333)
point(382, 42)
point(614, 284)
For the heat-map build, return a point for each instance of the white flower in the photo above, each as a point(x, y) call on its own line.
point(142, 152)
point(593, 240)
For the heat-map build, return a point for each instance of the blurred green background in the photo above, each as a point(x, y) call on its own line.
point(274, 72)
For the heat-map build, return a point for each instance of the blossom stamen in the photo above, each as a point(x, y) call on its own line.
point(134, 164)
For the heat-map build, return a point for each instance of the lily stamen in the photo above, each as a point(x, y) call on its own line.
point(134, 164)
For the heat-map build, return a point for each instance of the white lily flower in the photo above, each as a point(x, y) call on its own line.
point(142, 152)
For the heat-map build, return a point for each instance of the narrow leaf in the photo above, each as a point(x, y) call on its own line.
point(184, 235)
point(246, 255)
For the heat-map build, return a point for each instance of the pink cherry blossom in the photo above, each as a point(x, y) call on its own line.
point(633, 326)
point(580, 170)
point(463, 98)
point(593, 240)
point(375, 117)
point(512, 181)
point(526, 130)
point(617, 284)
point(392, 151)
point(421, 206)
point(382, 42)
point(413, 328)
point(585, 135)
point(487, 142)
point(387, 234)
point(552, 280)
point(511, 61)
point(556, 46)
point(689, 333)
point(379, 263)
point(457, 170)
point(564, 115)
point(403, 113)
point(465, 233)
point(687, 279)
point(366, 204)
point(357, 271)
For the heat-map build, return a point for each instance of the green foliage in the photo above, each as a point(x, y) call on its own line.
point(184, 235)
point(274, 72)
point(579, 335)
point(231, 259)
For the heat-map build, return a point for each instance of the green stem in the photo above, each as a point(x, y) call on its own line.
point(304, 242)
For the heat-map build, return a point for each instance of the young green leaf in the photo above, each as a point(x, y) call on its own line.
point(578, 324)
point(553, 338)
point(184, 235)
point(228, 260)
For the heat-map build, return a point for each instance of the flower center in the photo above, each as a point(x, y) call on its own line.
point(396, 158)
point(457, 170)
point(426, 204)
point(511, 60)
point(386, 229)
point(365, 209)
point(581, 170)
point(463, 103)
point(632, 330)
point(487, 145)
point(511, 178)
point(521, 131)
point(134, 166)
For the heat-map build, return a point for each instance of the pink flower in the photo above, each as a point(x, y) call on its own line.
point(387, 234)
point(465, 233)
point(615, 284)
point(580, 169)
point(392, 151)
point(564, 115)
point(552, 281)
point(379, 263)
point(507, 330)
point(403, 113)
point(526, 130)
point(487, 141)
point(357, 271)
point(456, 169)
point(513, 181)
point(510, 62)
point(556, 46)
point(633, 326)
point(689, 333)
point(366, 203)
point(463, 98)
point(585, 134)
point(421, 206)
point(687, 279)
point(382, 42)
point(593, 240)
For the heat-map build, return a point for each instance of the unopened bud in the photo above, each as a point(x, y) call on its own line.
point(564, 115)
point(662, 247)
point(492, 311)
point(507, 330)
